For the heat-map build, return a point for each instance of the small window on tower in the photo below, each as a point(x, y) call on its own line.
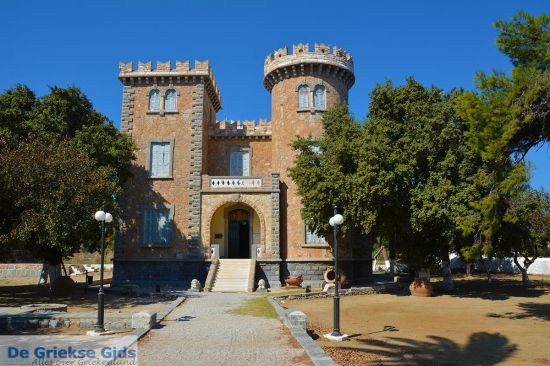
point(154, 100)
point(319, 96)
point(170, 101)
point(303, 97)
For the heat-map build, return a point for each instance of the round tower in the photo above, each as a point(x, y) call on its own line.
point(303, 84)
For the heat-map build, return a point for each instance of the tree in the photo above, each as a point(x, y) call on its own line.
point(54, 189)
point(325, 168)
point(527, 229)
point(506, 117)
point(413, 147)
point(404, 175)
point(79, 163)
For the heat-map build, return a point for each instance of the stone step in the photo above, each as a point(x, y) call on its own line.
point(232, 275)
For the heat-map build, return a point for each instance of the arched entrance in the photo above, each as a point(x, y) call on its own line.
point(236, 230)
point(238, 233)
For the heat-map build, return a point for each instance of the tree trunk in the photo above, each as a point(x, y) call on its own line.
point(469, 269)
point(447, 274)
point(392, 255)
point(526, 263)
point(487, 266)
point(54, 271)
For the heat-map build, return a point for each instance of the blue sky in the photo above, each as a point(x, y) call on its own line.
point(80, 43)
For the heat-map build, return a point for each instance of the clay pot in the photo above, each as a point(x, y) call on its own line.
point(329, 276)
point(421, 287)
point(294, 281)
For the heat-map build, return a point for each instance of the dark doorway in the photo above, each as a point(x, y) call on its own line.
point(239, 234)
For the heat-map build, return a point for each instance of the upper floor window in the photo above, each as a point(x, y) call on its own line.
point(157, 226)
point(170, 101)
point(160, 155)
point(239, 163)
point(303, 96)
point(154, 100)
point(319, 96)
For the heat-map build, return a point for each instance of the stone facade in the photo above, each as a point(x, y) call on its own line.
point(199, 190)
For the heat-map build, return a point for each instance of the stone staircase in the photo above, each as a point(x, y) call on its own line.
point(234, 275)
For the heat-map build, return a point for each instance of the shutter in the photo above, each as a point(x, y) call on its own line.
point(166, 160)
point(147, 227)
point(156, 159)
point(170, 101)
point(245, 163)
point(319, 97)
point(154, 100)
point(236, 164)
point(303, 96)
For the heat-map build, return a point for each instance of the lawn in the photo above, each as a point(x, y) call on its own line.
point(477, 324)
point(258, 307)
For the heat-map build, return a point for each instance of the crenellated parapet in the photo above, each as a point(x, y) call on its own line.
point(240, 129)
point(323, 59)
point(164, 73)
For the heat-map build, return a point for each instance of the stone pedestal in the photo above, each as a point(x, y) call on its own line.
point(144, 320)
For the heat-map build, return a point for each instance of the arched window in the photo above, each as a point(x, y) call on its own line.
point(303, 96)
point(154, 100)
point(319, 94)
point(170, 101)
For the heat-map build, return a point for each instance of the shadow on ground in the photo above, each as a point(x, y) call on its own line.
point(86, 301)
point(498, 290)
point(526, 310)
point(482, 349)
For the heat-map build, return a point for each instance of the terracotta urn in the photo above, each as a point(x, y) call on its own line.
point(421, 287)
point(294, 281)
point(329, 276)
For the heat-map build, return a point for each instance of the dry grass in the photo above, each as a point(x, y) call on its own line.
point(258, 307)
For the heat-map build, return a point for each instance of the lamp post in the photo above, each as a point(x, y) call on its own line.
point(335, 221)
point(103, 217)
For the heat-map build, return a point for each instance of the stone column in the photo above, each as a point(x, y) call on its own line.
point(196, 170)
point(275, 220)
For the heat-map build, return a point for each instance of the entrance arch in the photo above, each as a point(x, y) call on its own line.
point(237, 228)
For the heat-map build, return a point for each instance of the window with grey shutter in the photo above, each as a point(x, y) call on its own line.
point(154, 100)
point(303, 96)
point(319, 94)
point(239, 163)
point(170, 101)
point(157, 226)
point(160, 159)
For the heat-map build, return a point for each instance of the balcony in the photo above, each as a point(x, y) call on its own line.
point(240, 184)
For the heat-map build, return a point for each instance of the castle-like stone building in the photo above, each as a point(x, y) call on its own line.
point(204, 189)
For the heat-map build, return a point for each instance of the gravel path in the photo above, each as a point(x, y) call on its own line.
point(200, 332)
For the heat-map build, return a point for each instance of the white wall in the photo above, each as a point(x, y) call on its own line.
point(506, 265)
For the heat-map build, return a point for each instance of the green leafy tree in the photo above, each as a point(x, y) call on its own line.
point(79, 145)
point(54, 189)
point(506, 117)
point(418, 170)
point(526, 230)
point(404, 175)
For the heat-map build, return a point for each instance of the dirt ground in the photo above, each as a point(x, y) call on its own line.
point(18, 291)
point(477, 324)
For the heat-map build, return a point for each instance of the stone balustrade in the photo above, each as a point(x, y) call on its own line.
point(236, 182)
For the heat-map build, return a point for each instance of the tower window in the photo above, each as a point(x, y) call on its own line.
point(170, 101)
point(303, 97)
point(154, 100)
point(319, 97)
